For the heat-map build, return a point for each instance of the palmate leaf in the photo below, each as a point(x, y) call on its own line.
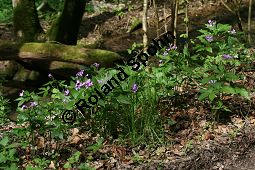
point(243, 92)
point(4, 141)
point(223, 27)
point(228, 89)
point(209, 49)
point(212, 96)
point(95, 147)
point(203, 96)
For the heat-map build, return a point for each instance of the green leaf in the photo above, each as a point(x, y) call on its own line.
point(123, 99)
point(67, 165)
point(101, 103)
point(4, 141)
point(70, 105)
point(84, 166)
point(227, 89)
point(203, 96)
point(212, 96)
point(75, 158)
point(95, 147)
point(55, 90)
point(209, 49)
point(12, 167)
point(244, 93)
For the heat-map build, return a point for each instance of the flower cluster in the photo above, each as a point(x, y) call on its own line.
point(31, 104)
point(134, 88)
point(96, 65)
point(80, 73)
point(211, 23)
point(171, 47)
point(88, 83)
point(209, 38)
point(21, 93)
point(66, 92)
point(50, 76)
point(233, 31)
point(226, 56)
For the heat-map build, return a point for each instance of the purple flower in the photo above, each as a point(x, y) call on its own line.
point(32, 104)
point(88, 83)
point(96, 65)
point(227, 56)
point(209, 38)
point(211, 23)
point(78, 84)
point(23, 107)
point(233, 31)
point(171, 47)
point(21, 93)
point(212, 81)
point(136, 65)
point(134, 88)
point(50, 76)
point(80, 73)
point(99, 81)
point(66, 92)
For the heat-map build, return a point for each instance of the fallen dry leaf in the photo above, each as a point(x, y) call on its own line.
point(40, 142)
point(119, 152)
point(52, 166)
point(209, 135)
point(160, 150)
point(75, 139)
point(75, 131)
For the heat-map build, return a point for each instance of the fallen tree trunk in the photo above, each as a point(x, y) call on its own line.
point(49, 52)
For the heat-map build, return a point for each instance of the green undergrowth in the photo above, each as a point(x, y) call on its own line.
point(212, 63)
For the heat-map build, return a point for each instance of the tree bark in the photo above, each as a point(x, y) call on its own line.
point(25, 20)
point(145, 25)
point(176, 20)
point(66, 27)
point(249, 22)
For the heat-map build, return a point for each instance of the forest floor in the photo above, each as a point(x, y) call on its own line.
point(194, 140)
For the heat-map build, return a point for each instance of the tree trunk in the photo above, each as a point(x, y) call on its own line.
point(65, 29)
point(25, 20)
point(145, 25)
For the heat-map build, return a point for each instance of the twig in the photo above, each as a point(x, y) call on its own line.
point(249, 22)
point(165, 17)
point(176, 20)
point(233, 12)
point(145, 25)
point(157, 17)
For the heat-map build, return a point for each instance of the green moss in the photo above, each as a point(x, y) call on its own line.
point(22, 75)
point(135, 23)
point(26, 22)
point(70, 53)
point(33, 75)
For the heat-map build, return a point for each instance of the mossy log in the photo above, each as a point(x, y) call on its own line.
point(56, 58)
point(57, 52)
